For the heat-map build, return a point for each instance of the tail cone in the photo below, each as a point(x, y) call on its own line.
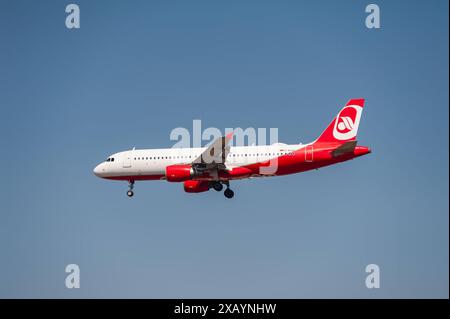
point(361, 150)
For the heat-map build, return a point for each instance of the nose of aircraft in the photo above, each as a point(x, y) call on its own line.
point(98, 170)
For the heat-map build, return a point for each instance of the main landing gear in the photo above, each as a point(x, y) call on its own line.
point(228, 192)
point(130, 192)
point(218, 186)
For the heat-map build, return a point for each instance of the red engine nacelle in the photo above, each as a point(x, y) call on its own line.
point(196, 186)
point(179, 173)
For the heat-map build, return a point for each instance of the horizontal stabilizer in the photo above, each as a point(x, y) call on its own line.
point(347, 147)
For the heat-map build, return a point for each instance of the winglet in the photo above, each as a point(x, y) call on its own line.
point(229, 136)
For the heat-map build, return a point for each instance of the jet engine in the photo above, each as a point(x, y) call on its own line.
point(179, 173)
point(196, 186)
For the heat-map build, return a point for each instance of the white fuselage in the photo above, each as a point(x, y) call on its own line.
point(153, 162)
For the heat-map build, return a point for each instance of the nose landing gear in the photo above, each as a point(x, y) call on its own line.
point(130, 192)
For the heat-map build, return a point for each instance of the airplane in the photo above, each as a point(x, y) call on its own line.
point(202, 169)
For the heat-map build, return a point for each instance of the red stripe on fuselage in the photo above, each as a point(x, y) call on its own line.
point(295, 162)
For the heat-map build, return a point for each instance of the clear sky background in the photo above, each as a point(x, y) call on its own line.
point(137, 69)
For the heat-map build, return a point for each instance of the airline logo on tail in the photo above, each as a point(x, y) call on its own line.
point(347, 122)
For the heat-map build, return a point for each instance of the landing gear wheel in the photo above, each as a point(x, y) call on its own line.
point(228, 193)
point(130, 190)
point(217, 186)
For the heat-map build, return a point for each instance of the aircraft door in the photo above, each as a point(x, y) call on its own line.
point(309, 152)
point(127, 160)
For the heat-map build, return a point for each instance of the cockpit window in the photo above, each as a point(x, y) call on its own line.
point(108, 160)
point(112, 159)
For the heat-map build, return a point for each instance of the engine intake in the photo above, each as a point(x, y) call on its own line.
point(196, 186)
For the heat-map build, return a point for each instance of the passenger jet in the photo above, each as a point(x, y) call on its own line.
point(200, 169)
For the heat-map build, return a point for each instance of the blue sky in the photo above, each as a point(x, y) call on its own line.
point(136, 70)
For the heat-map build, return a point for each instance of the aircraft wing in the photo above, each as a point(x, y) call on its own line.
point(347, 147)
point(214, 156)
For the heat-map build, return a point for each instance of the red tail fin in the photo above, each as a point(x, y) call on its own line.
point(344, 126)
